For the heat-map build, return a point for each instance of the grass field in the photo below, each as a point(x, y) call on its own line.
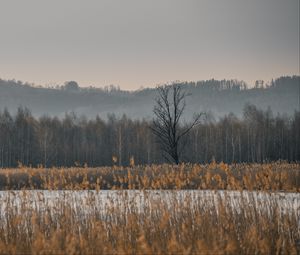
point(163, 209)
point(269, 177)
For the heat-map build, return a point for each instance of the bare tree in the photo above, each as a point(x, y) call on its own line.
point(166, 126)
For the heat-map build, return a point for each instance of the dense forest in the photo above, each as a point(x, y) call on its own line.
point(47, 141)
point(217, 97)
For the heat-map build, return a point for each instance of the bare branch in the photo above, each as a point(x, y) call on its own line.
point(168, 112)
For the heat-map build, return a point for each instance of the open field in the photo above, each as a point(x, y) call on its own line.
point(149, 222)
point(268, 177)
point(158, 209)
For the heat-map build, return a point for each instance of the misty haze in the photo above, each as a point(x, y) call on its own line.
point(218, 98)
point(149, 127)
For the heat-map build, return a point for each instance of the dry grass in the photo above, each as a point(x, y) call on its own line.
point(180, 228)
point(268, 177)
point(189, 227)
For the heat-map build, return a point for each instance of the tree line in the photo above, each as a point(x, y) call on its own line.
point(259, 136)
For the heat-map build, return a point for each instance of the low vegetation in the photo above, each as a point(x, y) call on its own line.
point(268, 177)
point(197, 225)
point(71, 224)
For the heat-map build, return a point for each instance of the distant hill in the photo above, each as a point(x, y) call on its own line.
point(217, 97)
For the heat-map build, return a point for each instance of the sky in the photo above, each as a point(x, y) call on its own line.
point(139, 43)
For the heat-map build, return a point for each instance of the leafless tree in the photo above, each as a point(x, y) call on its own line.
point(170, 105)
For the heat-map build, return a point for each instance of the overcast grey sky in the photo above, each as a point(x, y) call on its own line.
point(137, 43)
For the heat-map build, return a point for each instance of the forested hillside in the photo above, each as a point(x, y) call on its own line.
point(216, 97)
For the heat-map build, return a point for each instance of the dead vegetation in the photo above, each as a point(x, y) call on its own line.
point(187, 228)
point(35, 227)
point(268, 177)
